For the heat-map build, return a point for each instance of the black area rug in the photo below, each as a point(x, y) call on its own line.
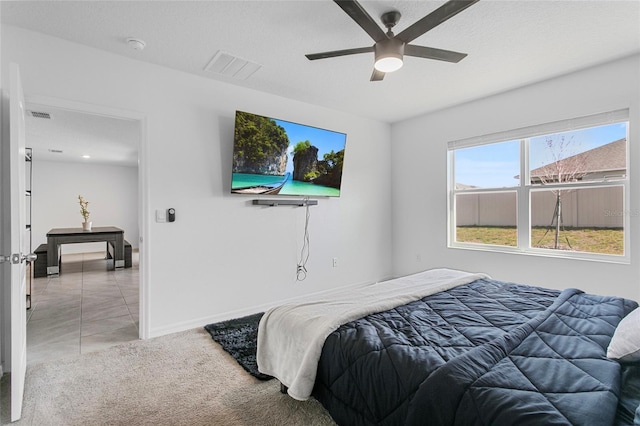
point(239, 337)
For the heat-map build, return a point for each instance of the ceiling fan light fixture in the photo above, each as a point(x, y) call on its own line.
point(389, 49)
point(388, 64)
point(388, 55)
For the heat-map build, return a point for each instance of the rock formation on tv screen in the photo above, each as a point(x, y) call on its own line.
point(305, 161)
point(307, 167)
point(260, 146)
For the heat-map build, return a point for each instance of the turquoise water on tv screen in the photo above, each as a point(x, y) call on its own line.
point(292, 187)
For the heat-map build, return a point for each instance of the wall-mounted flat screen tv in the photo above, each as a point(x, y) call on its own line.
point(277, 157)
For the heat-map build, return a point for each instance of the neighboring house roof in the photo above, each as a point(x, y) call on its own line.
point(464, 186)
point(606, 159)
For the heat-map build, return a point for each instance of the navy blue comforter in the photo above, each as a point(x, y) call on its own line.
point(484, 353)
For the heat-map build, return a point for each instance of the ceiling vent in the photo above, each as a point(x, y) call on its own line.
point(38, 114)
point(55, 151)
point(232, 66)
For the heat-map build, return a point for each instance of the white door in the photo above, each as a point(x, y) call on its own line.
point(15, 260)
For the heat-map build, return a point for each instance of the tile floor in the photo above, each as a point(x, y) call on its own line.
point(85, 308)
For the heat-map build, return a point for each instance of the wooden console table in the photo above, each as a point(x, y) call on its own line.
point(58, 236)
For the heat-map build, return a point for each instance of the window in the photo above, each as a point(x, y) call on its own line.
point(558, 189)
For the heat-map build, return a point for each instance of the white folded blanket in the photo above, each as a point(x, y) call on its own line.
point(291, 336)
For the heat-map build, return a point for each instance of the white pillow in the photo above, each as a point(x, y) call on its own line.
point(625, 343)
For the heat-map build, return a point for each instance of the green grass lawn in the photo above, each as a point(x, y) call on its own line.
point(590, 240)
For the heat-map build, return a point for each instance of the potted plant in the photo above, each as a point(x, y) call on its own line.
point(86, 225)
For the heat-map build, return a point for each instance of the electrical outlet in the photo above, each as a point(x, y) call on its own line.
point(335, 262)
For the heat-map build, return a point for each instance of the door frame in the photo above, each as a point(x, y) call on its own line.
point(14, 245)
point(143, 187)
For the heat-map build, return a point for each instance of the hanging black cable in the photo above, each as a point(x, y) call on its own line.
point(301, 273)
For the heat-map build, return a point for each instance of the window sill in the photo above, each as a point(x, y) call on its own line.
point(557, 254)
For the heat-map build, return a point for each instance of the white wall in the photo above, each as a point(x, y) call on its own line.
point(222, 257)
point(419, 177)
point(4, 303)
point(112, 192)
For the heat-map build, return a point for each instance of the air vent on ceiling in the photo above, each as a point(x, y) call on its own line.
point(55, 151)
point(232, 66)
point(39, 114)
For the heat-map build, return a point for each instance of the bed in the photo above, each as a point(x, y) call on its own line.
point(449, 347)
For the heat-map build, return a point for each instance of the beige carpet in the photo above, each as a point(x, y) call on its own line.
point(181, 379)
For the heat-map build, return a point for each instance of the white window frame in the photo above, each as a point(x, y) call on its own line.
point(525, 188)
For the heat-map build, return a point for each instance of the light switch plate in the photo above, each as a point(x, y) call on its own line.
point(161, 215)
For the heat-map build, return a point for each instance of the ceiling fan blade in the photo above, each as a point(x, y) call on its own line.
point(377, 75)
point(435, 18)
point(433, 53)
point(362, 18)
point(334, 53)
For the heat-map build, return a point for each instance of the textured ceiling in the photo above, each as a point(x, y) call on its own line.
point(70, 135)
point(509, 44)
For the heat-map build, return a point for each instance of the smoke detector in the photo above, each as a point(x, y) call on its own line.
point(136, 43)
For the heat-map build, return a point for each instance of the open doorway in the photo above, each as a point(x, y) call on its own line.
point(80, 150)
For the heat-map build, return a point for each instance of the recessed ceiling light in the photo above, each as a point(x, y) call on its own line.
point(86, 156)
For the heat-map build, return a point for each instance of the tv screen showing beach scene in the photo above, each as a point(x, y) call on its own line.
point(277, 157)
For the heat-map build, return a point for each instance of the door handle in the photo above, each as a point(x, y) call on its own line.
point(16, 258)
point(13, 259)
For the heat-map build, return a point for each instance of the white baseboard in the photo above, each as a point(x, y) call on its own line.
point(201, 322)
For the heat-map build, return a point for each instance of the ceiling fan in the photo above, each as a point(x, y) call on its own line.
point(389, 48)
